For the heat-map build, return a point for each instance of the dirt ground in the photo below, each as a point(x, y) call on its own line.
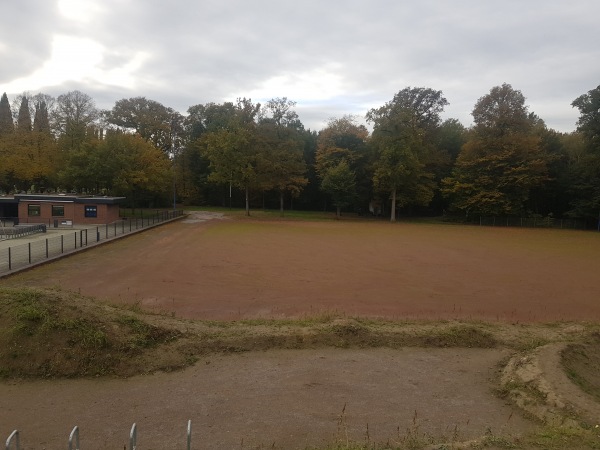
point(289, 399)
point(243, 269)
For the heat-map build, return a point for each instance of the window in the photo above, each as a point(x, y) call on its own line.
point(33, 210)
point(91, 211)
point(58, 210)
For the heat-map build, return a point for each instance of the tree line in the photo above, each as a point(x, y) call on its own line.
point(508, 163)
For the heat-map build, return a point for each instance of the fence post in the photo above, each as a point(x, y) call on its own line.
point(76, 240)
point(29, 251)
point(97, 234)
point(133, 437)
point(74, 434)
point(62, 243)
point(189, 435)
point(46, 248)
point(106, 231)
point(9, 260)
point(14, 434)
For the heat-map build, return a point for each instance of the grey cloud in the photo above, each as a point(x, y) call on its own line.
point(200, 52)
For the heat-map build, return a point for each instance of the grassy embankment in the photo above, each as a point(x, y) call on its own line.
point(54, 334)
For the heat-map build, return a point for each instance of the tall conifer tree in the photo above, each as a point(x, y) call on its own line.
point(6, 122)
point(24, 118)
point(41, 121)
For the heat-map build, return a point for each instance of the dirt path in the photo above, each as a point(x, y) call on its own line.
point(292, 399)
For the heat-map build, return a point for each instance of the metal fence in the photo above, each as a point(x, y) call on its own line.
point(19, 231)
point(537, 222)
point(19, 256)
point(13, 440)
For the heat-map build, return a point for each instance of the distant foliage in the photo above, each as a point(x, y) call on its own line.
point(249, 154)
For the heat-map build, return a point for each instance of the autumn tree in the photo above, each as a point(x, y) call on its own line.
point(145, 174)
point(403, 140)
point(501, 162)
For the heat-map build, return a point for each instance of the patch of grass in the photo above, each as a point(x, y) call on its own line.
point(59, 334)
point(274, 214)
point(562, 438)
point(143, 335)
point(86, 333)
point(581, 362)
point(460, 336)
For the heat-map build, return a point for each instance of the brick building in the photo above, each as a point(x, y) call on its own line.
point(67, 209)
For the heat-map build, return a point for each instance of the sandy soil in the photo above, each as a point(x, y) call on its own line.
point(292, 399)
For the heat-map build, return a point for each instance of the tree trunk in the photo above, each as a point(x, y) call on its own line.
point(247, 201)
point(281, 203)
point(337, 212)
point(393, 213)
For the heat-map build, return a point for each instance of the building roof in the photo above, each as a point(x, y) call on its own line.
point(75, 198)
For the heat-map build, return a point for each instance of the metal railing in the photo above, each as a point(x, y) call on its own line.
point(74, 436)
point(19, 231)
point(20, 256)
point(536, 222)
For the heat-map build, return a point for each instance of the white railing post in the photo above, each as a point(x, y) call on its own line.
point(133, 437)
point(189, 435)
point(15, 435)
point(74, 434)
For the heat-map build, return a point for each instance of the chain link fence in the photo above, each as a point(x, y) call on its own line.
point(18, 256)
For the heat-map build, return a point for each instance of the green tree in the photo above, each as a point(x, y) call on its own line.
point(234, 151)
point(502, 161)
point(403, 140)
point(343, 139)
point(282, 165)
point(41, 121)
point(586, 169)
point(43, 104)
point(451, 136)
point(589, 120)
point(73, 117)
point(24, 117)
point(339, 182)
point(150, 119)
point(7, 125)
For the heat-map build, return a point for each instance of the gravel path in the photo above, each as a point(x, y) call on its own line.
point(289, 399)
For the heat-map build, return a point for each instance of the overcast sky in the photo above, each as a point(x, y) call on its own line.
point(333, 57)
